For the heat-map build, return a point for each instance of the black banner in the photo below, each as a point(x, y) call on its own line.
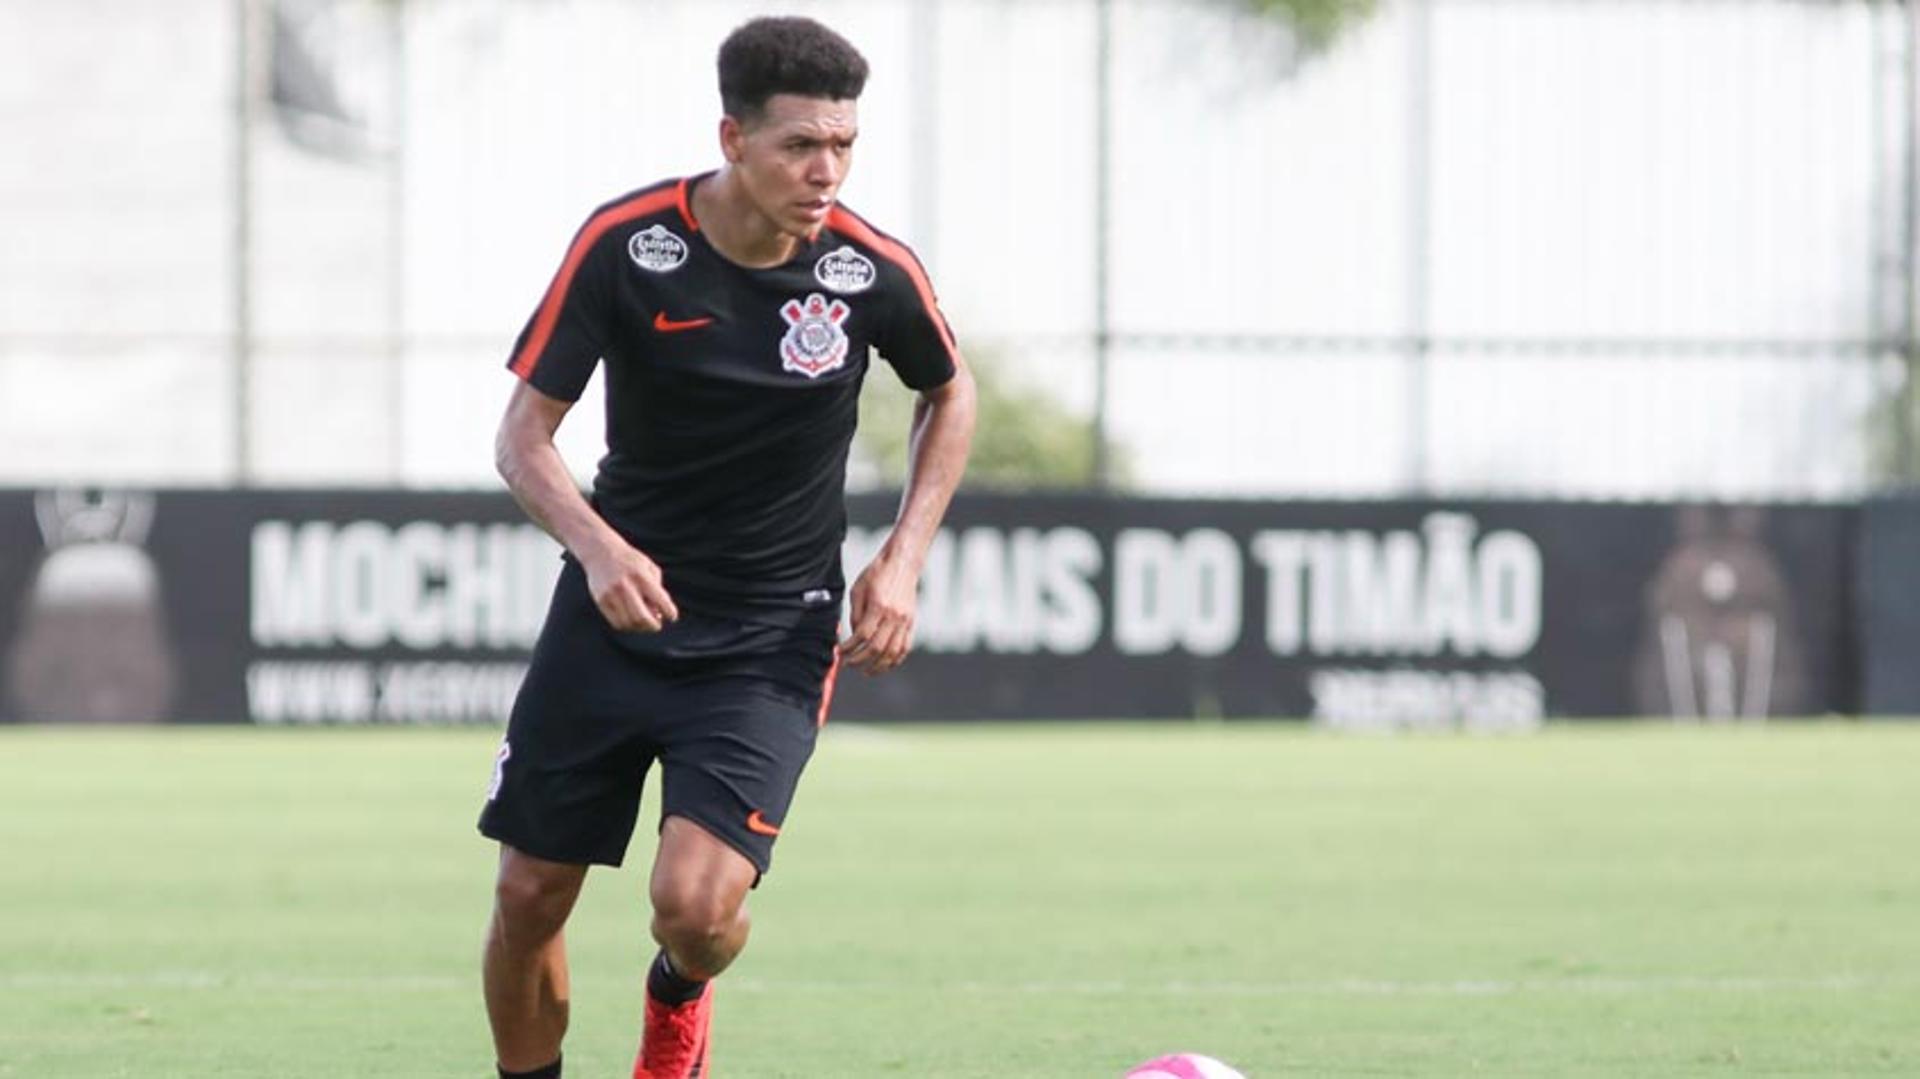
point(1889, 591)
point(408, 607)
point(269, 606)
point(1374, 615)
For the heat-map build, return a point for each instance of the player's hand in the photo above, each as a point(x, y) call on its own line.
point(880, 615)
point(628, 588)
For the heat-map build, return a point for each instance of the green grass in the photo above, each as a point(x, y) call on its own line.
point(1001, 901)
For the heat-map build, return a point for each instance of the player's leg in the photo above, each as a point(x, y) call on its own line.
point(729, 775)
point(699, 891)
point(525, 968)
point(565, 792)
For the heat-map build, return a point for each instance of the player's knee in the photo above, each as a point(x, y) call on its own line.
point(698, 922)
point(533, 903)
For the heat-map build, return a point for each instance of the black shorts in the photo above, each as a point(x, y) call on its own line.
point(730, 708)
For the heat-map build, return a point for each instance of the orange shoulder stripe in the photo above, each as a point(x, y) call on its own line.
point(841, 220)
point(680, 194)
point(549, 314)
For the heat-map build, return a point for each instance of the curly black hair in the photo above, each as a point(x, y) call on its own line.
point(786, 55)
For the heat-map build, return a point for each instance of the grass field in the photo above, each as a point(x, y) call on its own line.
point(1006, 901)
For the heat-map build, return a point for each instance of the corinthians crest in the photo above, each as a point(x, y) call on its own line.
point(815, 343)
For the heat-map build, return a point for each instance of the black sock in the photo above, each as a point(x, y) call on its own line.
point(665, 984)
point(551, 1071)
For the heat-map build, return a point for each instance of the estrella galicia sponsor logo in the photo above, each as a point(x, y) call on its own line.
point(815, 342)
point(844, 270)
point(655, 248)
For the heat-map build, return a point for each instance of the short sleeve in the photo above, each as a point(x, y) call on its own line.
point(563, 340)
point(915, 338)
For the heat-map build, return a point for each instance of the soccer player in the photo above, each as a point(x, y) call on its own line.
point(696, 617)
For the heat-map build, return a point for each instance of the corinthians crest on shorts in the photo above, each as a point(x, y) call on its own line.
point(815, 342)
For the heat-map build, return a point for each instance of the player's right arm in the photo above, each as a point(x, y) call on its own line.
point(625, 583)
point(553, 357)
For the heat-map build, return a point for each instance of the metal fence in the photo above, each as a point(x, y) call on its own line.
point(1652, 248)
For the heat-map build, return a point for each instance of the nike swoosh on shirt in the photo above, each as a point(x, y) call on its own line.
point(668, 325)
point(759, 824)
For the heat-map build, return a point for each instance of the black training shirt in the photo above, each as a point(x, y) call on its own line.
point(731, 392)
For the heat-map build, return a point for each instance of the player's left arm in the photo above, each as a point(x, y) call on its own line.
point(885, 597)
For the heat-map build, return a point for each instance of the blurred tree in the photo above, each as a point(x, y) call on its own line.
point(1315, 23)
point(1025, 437)
point(1892, 425)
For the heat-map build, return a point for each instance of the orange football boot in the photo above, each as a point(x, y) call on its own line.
point(674, 1043)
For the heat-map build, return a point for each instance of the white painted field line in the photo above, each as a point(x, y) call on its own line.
point(1465, 987)
point(1462, 987)
point(212, 979)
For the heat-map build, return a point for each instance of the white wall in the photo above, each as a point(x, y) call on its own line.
point(1699, 171)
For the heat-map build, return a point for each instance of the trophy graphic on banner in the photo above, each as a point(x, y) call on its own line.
point(92, 644)
point(1719, 640)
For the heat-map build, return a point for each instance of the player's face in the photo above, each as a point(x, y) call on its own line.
point(793, 159)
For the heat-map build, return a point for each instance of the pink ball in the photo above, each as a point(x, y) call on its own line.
point(1182, 1066)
